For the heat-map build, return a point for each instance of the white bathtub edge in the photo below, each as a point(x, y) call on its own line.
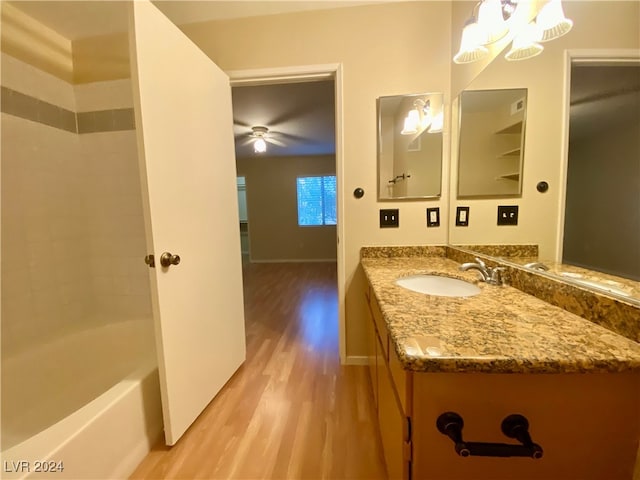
point(109, 437)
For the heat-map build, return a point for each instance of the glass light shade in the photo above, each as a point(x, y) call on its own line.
point(471, 48)
point(411, 122)
point(552, 22)
point(491, 21)
point(437, 123)
point(525, 44)
point(260, 146)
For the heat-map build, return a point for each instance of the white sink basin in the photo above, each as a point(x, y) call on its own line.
point(438, 285)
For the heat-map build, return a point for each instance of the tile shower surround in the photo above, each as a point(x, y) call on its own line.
point(66, 195)
point(30, 108)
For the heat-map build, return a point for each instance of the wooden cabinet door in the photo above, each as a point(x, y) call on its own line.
point(372, 353)
point(391, 421)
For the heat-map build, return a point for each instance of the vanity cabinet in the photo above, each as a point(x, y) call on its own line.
point(587, 424)
point(388, 381)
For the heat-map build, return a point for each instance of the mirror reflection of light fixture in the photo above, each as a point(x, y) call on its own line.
point(437, 123)
point(492, 24)
point(552, 22)
point(418, 118)
point(525, 44)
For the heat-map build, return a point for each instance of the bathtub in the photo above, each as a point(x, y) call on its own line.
point(83, 406)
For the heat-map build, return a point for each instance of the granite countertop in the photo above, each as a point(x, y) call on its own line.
point(500, 330)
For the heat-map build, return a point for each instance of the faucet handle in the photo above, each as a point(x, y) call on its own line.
point(481, 263)
point(496, 275)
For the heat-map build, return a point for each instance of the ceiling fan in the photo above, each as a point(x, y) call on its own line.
point(260, 136)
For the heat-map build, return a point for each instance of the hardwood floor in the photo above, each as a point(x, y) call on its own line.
point(291, 411)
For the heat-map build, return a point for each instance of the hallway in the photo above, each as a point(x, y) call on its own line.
point(291, 411)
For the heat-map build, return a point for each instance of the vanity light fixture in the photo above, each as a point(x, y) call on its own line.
point(525, 43)
point(552, 22)
point(491, 21)
point(497, 18)
point(471, 48)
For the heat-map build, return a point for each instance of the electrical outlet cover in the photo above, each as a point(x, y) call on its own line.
point(462, 216)
point(433, 217)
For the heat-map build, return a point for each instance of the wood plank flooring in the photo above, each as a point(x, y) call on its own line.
point(291, 411)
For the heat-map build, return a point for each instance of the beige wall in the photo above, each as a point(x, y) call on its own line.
point(384, 50)
point(272, 209)
point(617, 25)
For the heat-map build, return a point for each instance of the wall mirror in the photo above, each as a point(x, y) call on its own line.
point(491, 148)
point(410, 146)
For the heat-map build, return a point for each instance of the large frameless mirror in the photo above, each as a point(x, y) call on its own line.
point(491, 143)
point(410, 146)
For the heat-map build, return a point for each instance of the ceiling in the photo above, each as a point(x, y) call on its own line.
point(300, 116)
point(80, 19)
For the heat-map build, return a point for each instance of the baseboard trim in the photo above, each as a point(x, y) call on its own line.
point(356, 360)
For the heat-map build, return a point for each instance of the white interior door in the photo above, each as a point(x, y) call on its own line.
point(187, 161)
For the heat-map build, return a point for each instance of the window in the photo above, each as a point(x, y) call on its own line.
point(317, 200)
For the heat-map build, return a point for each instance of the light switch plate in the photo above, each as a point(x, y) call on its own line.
point(389, 218)
point(507, 215)
point(433, 217)
point(462, 216)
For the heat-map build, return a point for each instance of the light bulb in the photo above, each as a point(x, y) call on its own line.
point(260, 146)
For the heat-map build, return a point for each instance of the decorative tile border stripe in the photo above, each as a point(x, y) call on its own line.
point(106, 120)
point(30, 108)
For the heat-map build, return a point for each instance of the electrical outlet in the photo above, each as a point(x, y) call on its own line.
point(389, 218)
point(462, 216)
point(433, 217)
point(507, 215)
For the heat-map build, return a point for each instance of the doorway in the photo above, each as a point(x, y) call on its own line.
point(314, 73)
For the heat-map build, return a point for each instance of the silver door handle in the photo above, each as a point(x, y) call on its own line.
point(167, 259)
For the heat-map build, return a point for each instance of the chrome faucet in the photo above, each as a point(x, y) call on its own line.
point(492, 276)
point(536, 266)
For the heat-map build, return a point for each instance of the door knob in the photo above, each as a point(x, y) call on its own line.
point(167, 259)
point(149, 260)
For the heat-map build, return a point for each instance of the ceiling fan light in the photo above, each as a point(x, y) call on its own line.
point(525, 44)
point(552, 22)
point(471, 48)
point(260, 146)
point(491, 21)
